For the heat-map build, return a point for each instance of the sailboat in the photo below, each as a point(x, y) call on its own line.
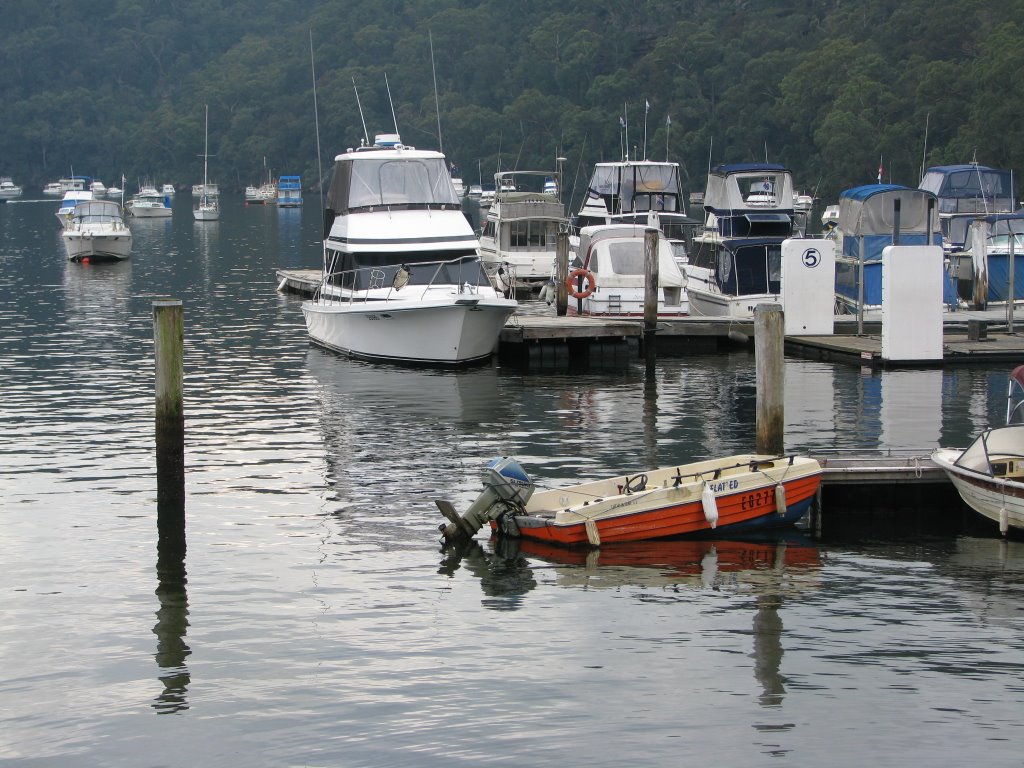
point(208, 207)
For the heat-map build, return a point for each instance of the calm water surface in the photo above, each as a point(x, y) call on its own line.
point(319, 622)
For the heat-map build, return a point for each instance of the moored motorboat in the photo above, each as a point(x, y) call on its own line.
point(8, 189)
point(519, 235)
point(402, 279)
point(97, 230)
point(989, 473)
point(149, 204)
point(608, 276)
point(738, 493)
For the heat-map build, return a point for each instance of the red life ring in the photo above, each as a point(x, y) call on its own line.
point(588, 276)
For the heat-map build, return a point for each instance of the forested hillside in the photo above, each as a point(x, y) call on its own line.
point(827, 87)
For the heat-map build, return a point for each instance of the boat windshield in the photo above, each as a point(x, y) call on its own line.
point(637, 187)
point(992, 447)
point(400, 181)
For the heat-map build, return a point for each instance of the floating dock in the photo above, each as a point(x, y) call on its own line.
point(536, 337)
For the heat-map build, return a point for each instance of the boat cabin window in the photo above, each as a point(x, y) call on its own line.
point(626, 257)
point(532, 234)
point(400, 181)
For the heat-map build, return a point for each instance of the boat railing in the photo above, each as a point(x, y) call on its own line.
point(463, 275)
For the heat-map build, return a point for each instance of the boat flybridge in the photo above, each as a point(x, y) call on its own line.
point(402, 281)
point(644, 192)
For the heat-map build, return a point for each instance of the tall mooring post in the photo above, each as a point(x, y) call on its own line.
point(769, 360)
point(561, 273)
point(651, 279)
point(168, 342)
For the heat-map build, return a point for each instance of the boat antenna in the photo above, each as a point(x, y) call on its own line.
point(366, 135)
point(392, 103)
point(647, 108)
point(626, 126)
point(668, 130)
point(711, 146)
point(319, 165)
point(437, 103)
point(924, 152)
point(579, 164)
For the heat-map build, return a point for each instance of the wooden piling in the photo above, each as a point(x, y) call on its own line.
point(651, 279)
point(168, 340)
point(769, 361)
point(561, 273)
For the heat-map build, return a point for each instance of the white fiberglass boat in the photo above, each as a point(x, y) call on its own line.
point(403, 282)
point(608, 278)
point(96, 231)
point(150, 204)
point(989, 474)
point(518, 241)
point(8, 189)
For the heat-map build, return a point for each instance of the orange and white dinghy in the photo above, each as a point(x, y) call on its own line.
point(734, 494)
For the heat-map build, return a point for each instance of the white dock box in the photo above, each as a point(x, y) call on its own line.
point(912, 302)
point(808, 286)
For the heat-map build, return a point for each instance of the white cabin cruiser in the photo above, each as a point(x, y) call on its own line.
point(609, 275)
point(642, 192)
point(97, 231)
point(150, 204)
point(519, 236)
point(403, 281)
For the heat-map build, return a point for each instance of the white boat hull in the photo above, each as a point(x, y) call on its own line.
point(143, 212)
point(461, 330)
point(987, 495)
point(206, 214)
point(85, 245)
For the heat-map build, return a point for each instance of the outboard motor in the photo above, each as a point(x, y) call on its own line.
point(505, 484)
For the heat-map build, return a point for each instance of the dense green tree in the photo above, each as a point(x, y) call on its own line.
point(823, 86)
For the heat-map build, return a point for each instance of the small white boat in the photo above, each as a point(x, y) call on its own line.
point(114, 192)
point(475, 191)
point(733, 494)
point(989, 473)
point(68, 204)
point(98, 188)
point(167, 190)
point(608, 278)
point(403, 282)
point(209, 189)
point(207, 207)
point(149, 204)
point(8, 189)
point(97, 231)
point(53, 189)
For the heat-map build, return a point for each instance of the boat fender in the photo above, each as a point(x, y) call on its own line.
point(780, 499)
point(1004, 520)
point(588, 278)
point(548, 292)
point(501, 280)
point(592, 533)
point(707, 500)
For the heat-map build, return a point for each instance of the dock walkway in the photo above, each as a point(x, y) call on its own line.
point(536, 336)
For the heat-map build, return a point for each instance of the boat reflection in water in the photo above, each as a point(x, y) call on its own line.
point(785, 564)
point(769, 569)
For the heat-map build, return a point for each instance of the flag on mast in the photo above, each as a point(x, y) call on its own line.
point(881, 170)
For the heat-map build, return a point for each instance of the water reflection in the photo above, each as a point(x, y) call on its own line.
point(772, 569)
point(170, 630)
